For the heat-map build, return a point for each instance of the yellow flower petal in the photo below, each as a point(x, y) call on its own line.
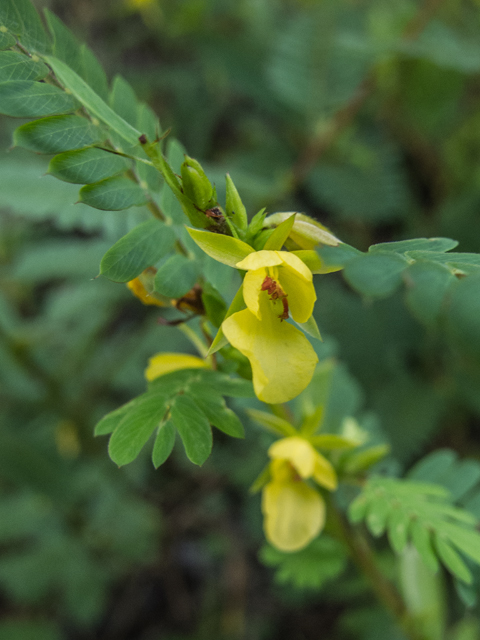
point(298, 451)
point(294, 514)
point(252, 286)
point(301, 292)
point(282, 359)
point(293, 262)
point(324, 473)
point(164, 363)
point(260, 259)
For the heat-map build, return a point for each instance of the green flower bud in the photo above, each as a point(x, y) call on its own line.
point(234, 206)
point(196, 185)
point(306, 232)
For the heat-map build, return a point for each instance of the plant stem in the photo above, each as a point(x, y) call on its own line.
point(363, 557)
point(322, 141)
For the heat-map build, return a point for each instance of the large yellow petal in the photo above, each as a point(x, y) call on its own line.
point(324, 473)
point(301, 292)
point(294, 514)
point(290, 260)
point(282, 359)
point(252, 287)
point(260, 259)
point(164, 363)
point(298, 451)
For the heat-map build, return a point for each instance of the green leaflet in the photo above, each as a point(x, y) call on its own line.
point(113, 194)
point(176, 276)
point(422, 513)
point(333, 258)
point(142, 247)
point(93, 72)
point(17, 66)
point(22, 19)
point(91, 101)
point(123, 100)
point(57, 134)
point(463, 313)
point(452, 560)
point(456, 260)
point(7, 40)
point(65, 45)
point(193, 400)
point(28, 99)
point(193, 427)
point(460, 477)
point(109, 422)
point(86, 166)
point(375, 274)
point(217, 412)
point(426, 286)
point(136, 427)
point(164, 442)
point(416, 244)
point(300, 569)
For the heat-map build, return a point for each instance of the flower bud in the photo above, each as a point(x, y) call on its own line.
point(234, 206)
point(306, 232)
point(196, 185)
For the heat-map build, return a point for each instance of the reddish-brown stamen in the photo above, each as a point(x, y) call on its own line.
point(276, 292)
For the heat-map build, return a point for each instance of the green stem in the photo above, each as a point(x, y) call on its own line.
point(363, 557)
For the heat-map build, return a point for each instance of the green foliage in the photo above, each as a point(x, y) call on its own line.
point(311, 568)
point(142, 247)
point(423, 514)
point(176, 276)
point(191, 399)
point(85, 166)
point(362, 114)
point(57, 134)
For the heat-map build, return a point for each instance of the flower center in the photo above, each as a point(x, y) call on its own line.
point(276, 292)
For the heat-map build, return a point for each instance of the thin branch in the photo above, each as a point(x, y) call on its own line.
point(344, 116)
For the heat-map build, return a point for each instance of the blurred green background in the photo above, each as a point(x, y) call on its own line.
point(362, 113)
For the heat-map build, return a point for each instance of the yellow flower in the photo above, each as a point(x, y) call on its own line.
point(163, 363)
point(294, 511)
point(277, 285)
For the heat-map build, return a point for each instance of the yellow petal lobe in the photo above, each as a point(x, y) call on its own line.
point(298, 451)
point(301, 293)
point(260, 259)
point(164, 363)
point(252, 286)
point(282, 359)
point(324, 473)
point(294, 514)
